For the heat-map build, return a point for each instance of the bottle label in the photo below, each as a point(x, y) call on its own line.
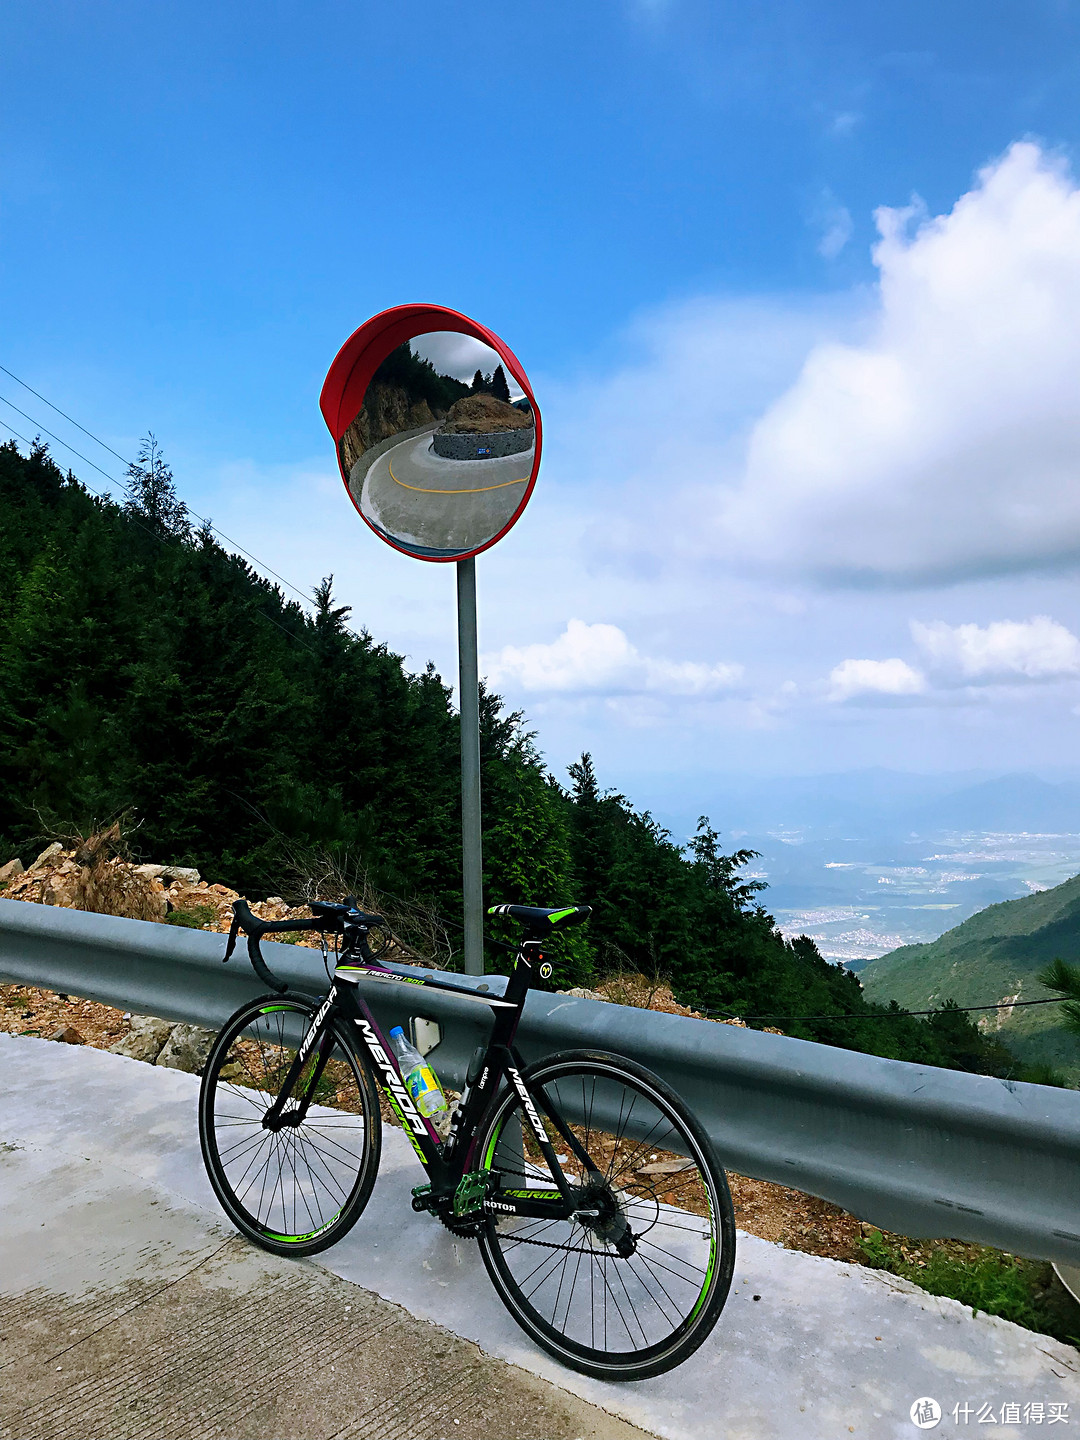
point(422, 1083)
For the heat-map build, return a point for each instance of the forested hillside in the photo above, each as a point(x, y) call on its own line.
point(144, 671)
point(997, 955)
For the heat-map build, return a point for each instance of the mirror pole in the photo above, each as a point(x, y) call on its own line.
point(472, 855)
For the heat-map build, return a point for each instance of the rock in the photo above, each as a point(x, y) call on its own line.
point(184, 874)
point(10, 870)
point(187, 1049)
point(145, 1040)
point(580, 993)
point(58, 890)
point(47, 854)
point(169, 874)
point(68, 1035)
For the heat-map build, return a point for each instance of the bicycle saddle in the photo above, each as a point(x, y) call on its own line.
point(541, 921)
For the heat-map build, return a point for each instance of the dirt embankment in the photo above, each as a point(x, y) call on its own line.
point(483, 414)
point(388, 410)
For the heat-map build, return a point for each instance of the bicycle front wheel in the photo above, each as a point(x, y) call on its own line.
point(297, 1183)
point(633, 1283)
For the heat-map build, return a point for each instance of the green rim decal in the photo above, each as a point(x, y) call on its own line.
point(298, 1239)
point(266, 1009)
point(712, 1259)
point(491, 1147)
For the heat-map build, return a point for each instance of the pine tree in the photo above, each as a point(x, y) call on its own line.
point(1065, 979)
point(477, 387)
point(499, 388)
point(152, 496)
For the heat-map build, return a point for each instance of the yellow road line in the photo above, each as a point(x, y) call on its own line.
point(479, 491)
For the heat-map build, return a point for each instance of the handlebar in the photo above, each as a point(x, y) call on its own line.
point(327, 918)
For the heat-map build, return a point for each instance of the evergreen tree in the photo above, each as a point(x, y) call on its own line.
point(499, 388)
point(478, 386)
point(148, 670)
point(152, 494)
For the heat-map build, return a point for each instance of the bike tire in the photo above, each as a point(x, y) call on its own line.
point(296, 1190)
point(663, 1183)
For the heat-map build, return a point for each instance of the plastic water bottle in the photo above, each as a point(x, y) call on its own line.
point(420, 1080)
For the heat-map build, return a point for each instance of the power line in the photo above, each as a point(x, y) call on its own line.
point(64, 413)
point(303, 594)
point(884, 1015)
point(146, 529)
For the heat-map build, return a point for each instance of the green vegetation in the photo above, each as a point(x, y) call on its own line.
point(145, 670)
point(1000, 954)
point(419, 379)
point(1027, 1292)
point(193, 919)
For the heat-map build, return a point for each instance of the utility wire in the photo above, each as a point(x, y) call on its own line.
point(64, 413)
point(98, 441)
point(145, 528)
point(261, 565)
point(731, 1015)
point(886, 1015)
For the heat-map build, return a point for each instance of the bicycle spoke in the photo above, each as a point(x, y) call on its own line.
point(599, 1287)
point(291, 1179)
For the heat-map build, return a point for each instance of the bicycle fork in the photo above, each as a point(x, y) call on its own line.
point(304, 1073)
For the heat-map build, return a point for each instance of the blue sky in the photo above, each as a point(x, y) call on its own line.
point(795, 485)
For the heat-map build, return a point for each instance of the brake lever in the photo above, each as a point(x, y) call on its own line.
point(231, 946)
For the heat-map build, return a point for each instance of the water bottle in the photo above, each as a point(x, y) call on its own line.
point(420, 1080)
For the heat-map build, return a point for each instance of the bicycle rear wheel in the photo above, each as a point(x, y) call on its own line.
point(635, 1281)
point(298, 1186)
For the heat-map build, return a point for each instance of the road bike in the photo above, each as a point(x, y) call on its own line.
point(602, 1214)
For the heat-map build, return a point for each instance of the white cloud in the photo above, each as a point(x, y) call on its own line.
point(600, 659)
point(1038, 649)
point(835, 223)
point(843, 123)
point(946, 443)
point(874, 677)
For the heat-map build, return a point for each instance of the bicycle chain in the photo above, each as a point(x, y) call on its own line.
point(544, 1244)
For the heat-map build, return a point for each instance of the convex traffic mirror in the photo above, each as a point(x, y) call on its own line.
point(437, 431)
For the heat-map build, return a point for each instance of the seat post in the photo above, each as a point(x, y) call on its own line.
point(525, 964)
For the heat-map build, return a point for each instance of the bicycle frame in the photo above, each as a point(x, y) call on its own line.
point(455, 1176)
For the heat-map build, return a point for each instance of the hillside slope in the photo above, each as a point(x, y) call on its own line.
point(995, 957)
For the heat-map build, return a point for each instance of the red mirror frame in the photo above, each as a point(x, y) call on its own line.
point(355, 364)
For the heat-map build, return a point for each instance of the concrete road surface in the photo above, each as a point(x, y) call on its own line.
point(114, 1259)
point(442, 506)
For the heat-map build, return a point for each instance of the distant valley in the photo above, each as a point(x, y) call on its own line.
point(996, 956)
point(868, 861)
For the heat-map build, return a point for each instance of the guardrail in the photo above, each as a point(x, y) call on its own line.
point(917, 1150)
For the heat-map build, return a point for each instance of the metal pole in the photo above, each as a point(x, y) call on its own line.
point(472, 853)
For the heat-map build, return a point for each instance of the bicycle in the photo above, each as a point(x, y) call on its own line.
point(602, 1214)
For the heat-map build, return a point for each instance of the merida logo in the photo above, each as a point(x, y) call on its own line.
point(392, 1080)
point(530, 1108)
point(309, 1038)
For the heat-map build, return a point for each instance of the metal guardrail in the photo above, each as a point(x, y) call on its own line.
point(913, 1149)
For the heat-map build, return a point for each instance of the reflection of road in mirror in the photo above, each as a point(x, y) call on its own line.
point(435, 504)
point(437, 463)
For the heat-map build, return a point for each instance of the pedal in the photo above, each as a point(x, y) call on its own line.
point(422, 1199)
point(471, 1192)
